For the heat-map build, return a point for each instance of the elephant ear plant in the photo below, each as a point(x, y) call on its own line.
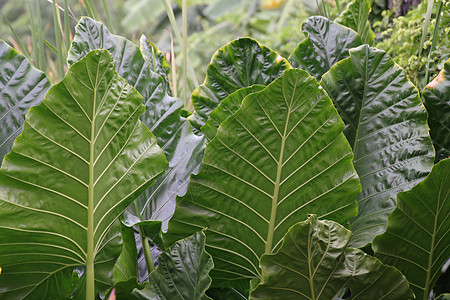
point(82, 158)
point(311, 184)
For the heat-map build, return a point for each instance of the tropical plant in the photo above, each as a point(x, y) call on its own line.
point(296, 174)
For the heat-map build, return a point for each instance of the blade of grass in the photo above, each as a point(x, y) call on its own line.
point(66, 26)
point(338, 6)
point(51, 47)
point(425, 25)
point(60, 53)
point(35, 53)
point(90, 8)
point(16, 38)
point(185, 48)
point(173, 67)
point(40, 37)
point(108, 16)
point(433, 43)
point(173, 23)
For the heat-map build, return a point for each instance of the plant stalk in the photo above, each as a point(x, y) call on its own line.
point(425, 25)
point(16, 37)
point(173, 23)
point(33, 36)
point(338, 6)
point(66, 26)
point(433, 43)
point(147, 252)
point(40, 38)
point(90, 253)
point(60, 54)
point(108, 16)
point(145, 245)
point(184, 45)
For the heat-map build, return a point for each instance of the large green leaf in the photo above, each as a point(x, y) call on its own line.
point(238, 64)
point(82, 158)
point(356, 16)
point(281, 156)
point(417, 238)
point(315, 263)
point(386, 125)
point(182, 273)
point(21, 86)
point(183, 149)
point(326, 44)
point(436, 96)
point(226, 108)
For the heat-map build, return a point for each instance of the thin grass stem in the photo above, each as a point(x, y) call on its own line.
point(16, 38)
point(60, 53)
point(35, 52)
point(434, 41)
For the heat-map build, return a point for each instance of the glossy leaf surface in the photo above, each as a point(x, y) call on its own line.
point(417, 239)
point(356, 16)
point(238, 64)
point(326, 44)
point(156, 60)
point(183, 149)
point(82, 158)
point(21, 86)
point(436, 97)
point(182, 273)
point(315, 263)
point(386, 125)
point(282, 156)
point(226, 108)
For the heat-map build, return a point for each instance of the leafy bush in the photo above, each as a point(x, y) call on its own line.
point(400, 37)
point(296, 174)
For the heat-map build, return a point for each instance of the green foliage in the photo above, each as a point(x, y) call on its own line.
point(400, 37)
point(417, 238)
point(315, 262)
point(277, 152)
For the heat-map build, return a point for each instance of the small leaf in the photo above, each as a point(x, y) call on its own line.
point(182, 273)
point(326, 44)
point(417, 238)
point(315, 263)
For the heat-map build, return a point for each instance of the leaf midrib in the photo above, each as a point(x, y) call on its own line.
point(273, 212)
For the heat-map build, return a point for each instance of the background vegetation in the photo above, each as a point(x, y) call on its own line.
point(29, 26)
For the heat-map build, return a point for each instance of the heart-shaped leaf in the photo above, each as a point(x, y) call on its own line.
point(386, 125)
point(21, 86)
point(82, 158)
point(417, 238)
point(356, 17)
point(436, 97)
point(326, 44)
point(282, 156)
point(315, 263)
point(238, 64)
point(183, 149)
point(182, 273)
